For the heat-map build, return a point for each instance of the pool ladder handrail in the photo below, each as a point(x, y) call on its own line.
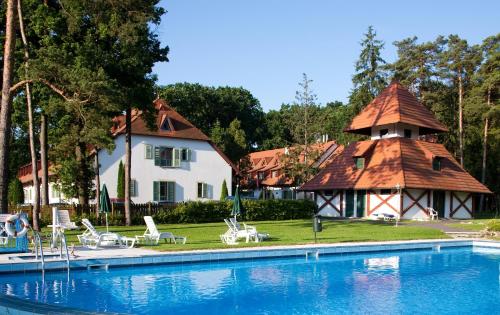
point(37, 240)
point(61, 237)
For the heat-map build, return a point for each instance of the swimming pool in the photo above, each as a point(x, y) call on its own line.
point(463, 280)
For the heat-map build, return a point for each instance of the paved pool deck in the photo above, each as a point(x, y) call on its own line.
point(120, 257)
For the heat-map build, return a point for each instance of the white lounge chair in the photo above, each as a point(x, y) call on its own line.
point(91, 238)
point(64, 220)
point(230, 237)
point(153, 236)
point(248, 232)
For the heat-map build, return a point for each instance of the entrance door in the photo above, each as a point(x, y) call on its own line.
point(361, 203)
point(349, 203)
point(438, 202)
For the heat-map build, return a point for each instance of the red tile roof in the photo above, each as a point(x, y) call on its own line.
point(270, 160)
point(395, 105)
point(179, 127)
point(182, 128)
point(24, 174)
point(393, 161)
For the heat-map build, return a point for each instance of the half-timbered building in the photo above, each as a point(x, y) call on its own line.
point(400, 171)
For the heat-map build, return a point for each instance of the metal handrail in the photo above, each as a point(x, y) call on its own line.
point(39, 248)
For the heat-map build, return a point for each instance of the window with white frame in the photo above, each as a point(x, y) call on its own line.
point(164, 191)
point(55, 192)
point(202, 190)
point(167, 157)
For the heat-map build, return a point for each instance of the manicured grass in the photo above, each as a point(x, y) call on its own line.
point(471, 225)
point(206, 236)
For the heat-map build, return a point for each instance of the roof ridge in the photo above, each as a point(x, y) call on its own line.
point(398, 101)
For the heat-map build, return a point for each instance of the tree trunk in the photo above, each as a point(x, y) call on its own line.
point(128, 158)
point(31, 132)
point(485, 150)
point(6, 102)
point(44, 160)
point(82, 183)
point(460, 119)
point(97, 184)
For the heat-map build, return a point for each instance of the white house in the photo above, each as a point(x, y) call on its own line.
point(174, 162)
point(55, 195)
point(397, 171)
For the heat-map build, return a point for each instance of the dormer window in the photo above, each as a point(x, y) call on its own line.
point(408, 133)
point(166, 125)
point(436, 163)
point(383, 132)
point(359, 162)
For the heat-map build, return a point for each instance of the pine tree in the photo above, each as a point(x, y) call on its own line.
point(458, 63)
point(224, 192)
point(370, 78)
point(16, 192)
point(416, 64)
point(120, 184)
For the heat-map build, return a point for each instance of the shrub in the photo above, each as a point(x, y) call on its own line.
point(255, 210)
point(16, 192)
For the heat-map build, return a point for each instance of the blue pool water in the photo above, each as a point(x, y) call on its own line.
point(452, 281)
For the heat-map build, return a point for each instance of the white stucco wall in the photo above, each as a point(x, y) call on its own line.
point(375, 202)
point(29, 195)
point(461, 213)
point(415, 212)
point(206, 166)
point(395, 130)
point(328, 210)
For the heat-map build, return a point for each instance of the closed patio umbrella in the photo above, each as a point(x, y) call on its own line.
point(237, 206)
point(105, 204)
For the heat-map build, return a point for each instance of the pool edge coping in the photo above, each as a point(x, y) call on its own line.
point(193, 256)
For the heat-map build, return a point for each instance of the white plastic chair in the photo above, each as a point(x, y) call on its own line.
point(433, 214)
point(91, 238)
point(64, 220)
point(153, 236)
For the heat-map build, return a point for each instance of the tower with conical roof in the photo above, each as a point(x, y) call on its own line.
point(394, 173)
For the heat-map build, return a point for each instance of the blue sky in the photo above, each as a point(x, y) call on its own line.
point(266, 45)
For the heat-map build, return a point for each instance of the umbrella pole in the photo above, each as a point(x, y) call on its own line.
point(107, 228)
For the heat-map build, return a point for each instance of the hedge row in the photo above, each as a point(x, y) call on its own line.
point(216, 211)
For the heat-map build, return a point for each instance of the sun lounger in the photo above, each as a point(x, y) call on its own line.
point(91, 238)
point(248, 232)
point(153, 236)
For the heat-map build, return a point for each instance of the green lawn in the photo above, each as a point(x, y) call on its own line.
point(471, 225)
point(206, 236)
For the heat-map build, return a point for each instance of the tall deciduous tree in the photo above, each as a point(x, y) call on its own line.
point(370, 77)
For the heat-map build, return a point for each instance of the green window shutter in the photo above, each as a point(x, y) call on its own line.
point(200, 190)
point(156, 191)
point(177, 158)
point(148, 151)
point(188, 153)
point(171, 191)
point(157, 156)
point(205, 190)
